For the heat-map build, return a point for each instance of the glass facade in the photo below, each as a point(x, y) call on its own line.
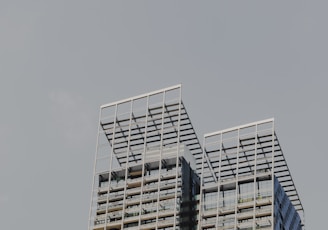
point(286, 216)
point(151, 172)
point(149, 197)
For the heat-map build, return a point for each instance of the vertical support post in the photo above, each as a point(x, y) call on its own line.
point(127, 164)
point(94, 175)
point(160, 158)
point(272, 173)
point(177, 160)
point(143, 161)
point(110, 165)
point(237, 180)
point(255, 176)
point(201, 198)
point(219, 184)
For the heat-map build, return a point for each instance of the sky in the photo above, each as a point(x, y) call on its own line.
point(237, 61)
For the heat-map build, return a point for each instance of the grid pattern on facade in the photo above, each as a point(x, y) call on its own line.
point(140, 141)
point(150, 171)
point(245, 160)
point(153, 119)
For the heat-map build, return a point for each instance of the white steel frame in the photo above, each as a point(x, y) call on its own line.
point(277, 166)
point(125, 134)
point(129, 128)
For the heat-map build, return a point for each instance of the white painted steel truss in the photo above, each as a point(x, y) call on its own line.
point(158, 120)
point(247, 152)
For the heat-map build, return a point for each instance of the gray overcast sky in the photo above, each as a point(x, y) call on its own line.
point(238, 62)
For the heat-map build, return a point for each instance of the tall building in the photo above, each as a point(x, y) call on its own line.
point(151, 172)
point(245, 182)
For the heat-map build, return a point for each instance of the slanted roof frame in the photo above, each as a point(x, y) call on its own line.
point(281, 170)
point(174, 115)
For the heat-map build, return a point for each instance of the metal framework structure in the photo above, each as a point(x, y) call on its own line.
point(146, 146)
point(243, 157)
point(152, 119)
point(134, 137)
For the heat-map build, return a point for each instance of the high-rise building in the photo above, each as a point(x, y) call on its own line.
point(151, 172)
point(245, 182)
